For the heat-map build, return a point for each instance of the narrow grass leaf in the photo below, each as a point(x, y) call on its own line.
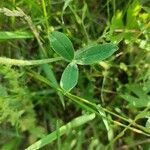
point(66, 4)
point(6, 35)
point(42, 79)
point(69, 77)
point(79, 121)
point(51, 77)
point(84, 11)
point(58, 135)
point(62, 45)
point(93, 54)
point(106, 122)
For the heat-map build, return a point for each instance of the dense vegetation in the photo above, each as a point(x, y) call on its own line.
point(99, 104)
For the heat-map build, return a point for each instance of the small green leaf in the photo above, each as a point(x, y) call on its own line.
point(92, 54)
point(135, 102)
point(69, 77)
point(147, 9)
point(62, 45)
point(140, 97)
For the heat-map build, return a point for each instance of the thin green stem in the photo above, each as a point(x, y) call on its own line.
point(114, 6)
point(92, 107)
point(108, 11)
point(76, 100)
point(102, 89)
point(16, 62)
point(130, 121)
point(45, 15)
point(13, 18)
point(127, 127)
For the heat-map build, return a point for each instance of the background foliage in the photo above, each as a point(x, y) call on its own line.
point(116, 90)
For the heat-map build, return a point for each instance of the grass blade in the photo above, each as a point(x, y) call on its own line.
point(6, 35)
point(62, 130)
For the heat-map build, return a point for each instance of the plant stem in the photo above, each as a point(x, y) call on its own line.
point(45, 15)
point(17, 62)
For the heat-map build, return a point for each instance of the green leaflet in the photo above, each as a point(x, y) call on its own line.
point(92, 54)
point(62, 45)
point(69, 77)
point(140, 98)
